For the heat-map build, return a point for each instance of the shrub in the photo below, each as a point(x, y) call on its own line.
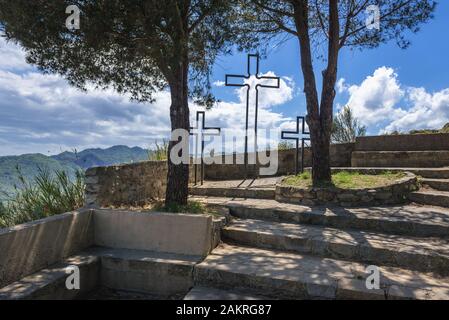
point(160, 152)
point(45, 195)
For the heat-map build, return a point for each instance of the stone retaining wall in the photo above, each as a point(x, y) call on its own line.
point(400, 159)
point(405, 142)
point(128, 184)
point(394, 194)
point(340, 155)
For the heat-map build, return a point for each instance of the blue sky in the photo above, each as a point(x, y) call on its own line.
point(388, 89)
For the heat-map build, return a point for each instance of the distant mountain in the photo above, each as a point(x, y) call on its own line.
point(103, 157)
point(70, 162)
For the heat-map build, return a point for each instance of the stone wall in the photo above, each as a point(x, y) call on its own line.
point(407, 142)
point(161, 232)
point(394, 193)
point(127, 184)
point(340, 157)
point(401, 159)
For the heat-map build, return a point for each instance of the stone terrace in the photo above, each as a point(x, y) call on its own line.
point(299, 252)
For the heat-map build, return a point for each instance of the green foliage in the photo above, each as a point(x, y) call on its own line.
point(160, 152)
point(69, 162)
point(346, 128)
point(285, 145)
point(346, 180)
point(29, 165)
point(265, 20)
point(49, 193)
point(135, 47)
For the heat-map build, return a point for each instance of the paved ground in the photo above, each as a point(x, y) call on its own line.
point(242, 183)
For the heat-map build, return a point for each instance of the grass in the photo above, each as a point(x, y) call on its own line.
point(159, 152)
point(346, 180)
point(47, 194)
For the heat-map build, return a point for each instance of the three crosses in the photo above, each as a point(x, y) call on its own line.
point(233, 80)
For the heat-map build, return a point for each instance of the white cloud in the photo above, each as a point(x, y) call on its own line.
point(374, 100)
point(428, 111)
point(12, 57)
point(341, 85)
point(43, 113)
point(380, 101)
point(219, 83)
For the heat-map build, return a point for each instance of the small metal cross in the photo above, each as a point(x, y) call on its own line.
point(200, 132)
point(297, 136)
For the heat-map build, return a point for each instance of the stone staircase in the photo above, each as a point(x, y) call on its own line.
point(279, 250)
point(434, 192)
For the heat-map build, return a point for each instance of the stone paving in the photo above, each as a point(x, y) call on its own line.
point(269, 182)
point(289, 275)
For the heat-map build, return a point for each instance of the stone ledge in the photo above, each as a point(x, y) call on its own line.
point(395, 193)
point(416, 159)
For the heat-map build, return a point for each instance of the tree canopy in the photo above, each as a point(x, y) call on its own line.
point(136, 47)
point(132, 46)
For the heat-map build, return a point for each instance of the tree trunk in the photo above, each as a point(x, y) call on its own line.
point(321, 152)
point(178, 175)
point(319, 114)
point(321, 171)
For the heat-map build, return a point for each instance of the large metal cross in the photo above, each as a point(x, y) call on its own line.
point(200, 132)
point(233, 80)
point(297, 135)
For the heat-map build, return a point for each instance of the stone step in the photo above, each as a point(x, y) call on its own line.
point(295, 276)
point(162, 274)
point(207, 293)
point(421, 254)
point(402, 220)
point(431, 197)
point(440, 173)
point(437, 184)
point(50, 283)
point(259, 193)
point(412, 159)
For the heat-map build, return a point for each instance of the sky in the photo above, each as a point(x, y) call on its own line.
point(387, 88)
